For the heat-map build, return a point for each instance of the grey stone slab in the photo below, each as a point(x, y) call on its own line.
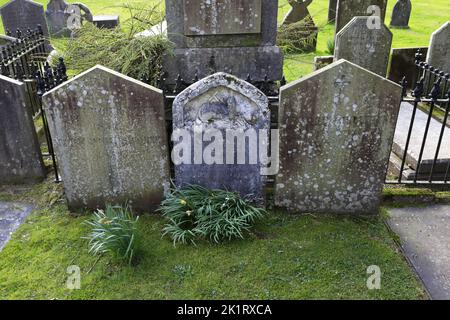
point(298, 12)
point(424, 235)
point(401, 14)
point(336, 130)
point(177, 22)
point(420, 120)
point(221, 104)
point(57, 18)
point(20, 156)
point(110, 139)
point(366, 47)
point(255, 61)
point(348, 9)
point(6, 40)
point(106, 21)
point(332, 6)
point(402, 64)
point(439, 51)
point(23, 15)
point(203, 18)
point(12, 215)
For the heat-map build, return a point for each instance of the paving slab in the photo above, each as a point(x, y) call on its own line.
point(425, 237)
point(12, 215)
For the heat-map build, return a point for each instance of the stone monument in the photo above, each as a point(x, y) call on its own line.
point(439, 51)
point(401, 14)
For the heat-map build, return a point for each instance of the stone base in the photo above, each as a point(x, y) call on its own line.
point(258, 62)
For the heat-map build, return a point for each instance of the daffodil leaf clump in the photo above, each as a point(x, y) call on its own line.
point(113, 231)
point(195, 213)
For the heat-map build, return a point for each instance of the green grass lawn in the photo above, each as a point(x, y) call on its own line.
point(286, 257)
point(427, 16)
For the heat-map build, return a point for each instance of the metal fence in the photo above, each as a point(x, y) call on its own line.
point(25, 60)
point(431, 98)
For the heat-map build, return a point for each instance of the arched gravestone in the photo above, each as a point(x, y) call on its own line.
point(57, 18)
point(368, 48)
point(23, 15)
point(20, 157)
point(348, 9)
point(401, 14)
point(336, 131)
point(224, 110)
point(439, 51)
point(110, 139)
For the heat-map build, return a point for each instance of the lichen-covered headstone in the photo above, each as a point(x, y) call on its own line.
point(57, 18)
point(20, 156)
point(211, 119)
point(401, 14)
point(366, 47)
point(23, 15)
point(348, 9)
point(336, 130)
point(439, 51)
point(110, 139)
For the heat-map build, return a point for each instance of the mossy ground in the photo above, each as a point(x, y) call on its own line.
point(286, 257)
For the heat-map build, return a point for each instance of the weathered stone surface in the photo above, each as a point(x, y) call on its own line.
point(366, 47)
point(332, 6)
point(439, 51)
point(348, 9)
point(336, 129)
point(106, 21)
point(221, 17)
point(23, 14)
point(401, 14)
point(56, 18)
point(20, 157)
point(403, 65)
point(256, 61)
point(5, 40)
point(298, 12)
point(195, 51)
point(12, 215)
point(110, 139)
point(322, 61)
point(223, 104)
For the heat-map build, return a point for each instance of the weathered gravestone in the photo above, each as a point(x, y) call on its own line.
point(298, 12)
point(57, 18)
point(336, 130)
point(23, 15)
point(211, 121)
point(332, 6)
point(110, 139)
point(439, 51)
point(403, 65)
point(20, 157)
point(223, 35)
point(366, 47)
point(401, 14)
point(348, 9)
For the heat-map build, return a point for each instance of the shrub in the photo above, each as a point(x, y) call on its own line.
point(113, 230)
point(195, 213)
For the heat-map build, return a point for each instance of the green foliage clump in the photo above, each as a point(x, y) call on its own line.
point(139, 57)
point(330, 46)
point(113, 230)
point(298, 37)
point(194, 213)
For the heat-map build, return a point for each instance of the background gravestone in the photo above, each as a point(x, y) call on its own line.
point(336, 131)
point(23, 15)
point(332, 6)
point(110, 139)
point(222, 102)
point(401, 14)
point(439, 51)
point(20, 157)
point(223, 35)
point(368, 48)
point(57, 18)
point(348, 9)
point(403, 65)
